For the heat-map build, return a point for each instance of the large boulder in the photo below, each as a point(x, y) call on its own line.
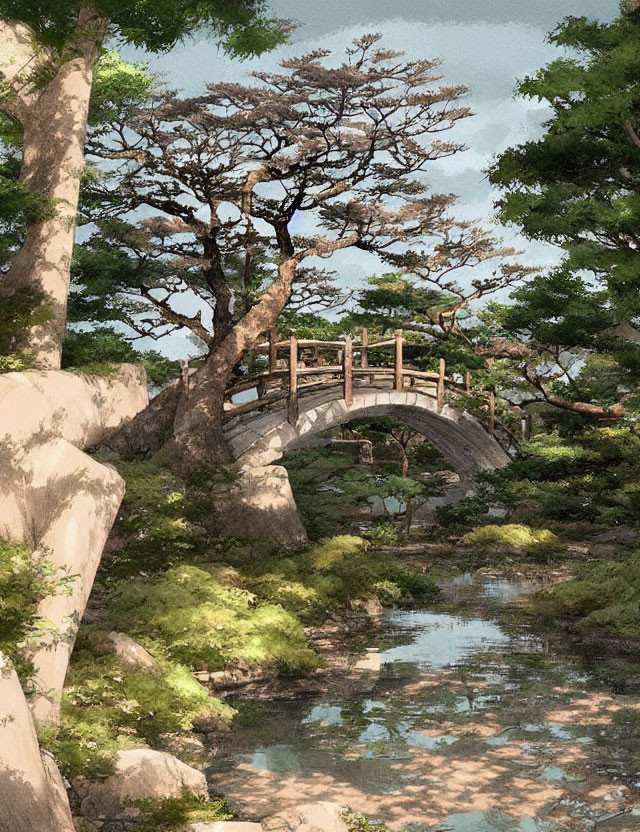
point(261, 507)
point(62, 502)
point(32, 793)
point(139, 773)
point(83, 409)
point(308, 817)
point(55, 498)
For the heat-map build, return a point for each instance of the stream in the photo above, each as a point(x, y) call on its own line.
point(453, 722)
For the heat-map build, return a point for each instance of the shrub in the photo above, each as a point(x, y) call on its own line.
point(207, 624)
point(384, 534)
point(540, 543)
point(606, 595)
point(26, 578)
point(95, 350)
point(332, 573)
point(108, 706)
point(176, 814)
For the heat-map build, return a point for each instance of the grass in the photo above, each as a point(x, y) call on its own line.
point(177, 814)
point(207, 623)
point(108, 706)
point(604, 596)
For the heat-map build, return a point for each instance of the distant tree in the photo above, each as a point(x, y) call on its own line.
point(245, 183)
point(578, 187)
point(48, 52)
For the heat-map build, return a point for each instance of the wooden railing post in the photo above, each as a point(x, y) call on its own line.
point(492, 413)
point(293, 380)
point(348, 370)
point(467, 383)
point(273, 350)
point(440, 389)
point(397, 382)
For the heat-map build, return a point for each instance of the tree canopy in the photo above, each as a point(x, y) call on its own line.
point(243, 26)
point(578, 187)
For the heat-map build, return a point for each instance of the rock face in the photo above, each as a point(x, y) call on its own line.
point(622, 535)
point(54, 497)
point(140, 773)
point(309, 817)
point(32, 794)
point(82, 409)
point(262, 507)
point(131, 653)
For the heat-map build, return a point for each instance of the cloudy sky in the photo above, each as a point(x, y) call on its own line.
point(485, 44)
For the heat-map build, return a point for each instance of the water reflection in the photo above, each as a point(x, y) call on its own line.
point(461, 727)
point(440, 640)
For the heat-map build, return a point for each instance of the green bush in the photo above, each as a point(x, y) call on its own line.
point(591, 478)
point(93, 351)
point(606, 595)
point(26, 578)
point(207, 624)
point(384, 534)
point(333, 573)
point(177, 814)
point(153, 525)
point(539, 543)
point(108, 706)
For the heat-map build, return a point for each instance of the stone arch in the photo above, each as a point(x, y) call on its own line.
point(263, 438)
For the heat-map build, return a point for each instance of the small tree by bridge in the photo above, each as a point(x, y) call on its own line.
point(246, 183)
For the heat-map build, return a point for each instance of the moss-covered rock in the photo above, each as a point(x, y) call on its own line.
point(540, 544)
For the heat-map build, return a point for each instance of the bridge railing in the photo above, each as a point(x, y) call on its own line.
point(283, 378)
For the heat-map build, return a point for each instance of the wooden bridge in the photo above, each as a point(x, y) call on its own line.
point(306, 366)
point(310, 385)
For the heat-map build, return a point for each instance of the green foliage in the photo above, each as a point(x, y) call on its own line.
point(384, 534)
point(119, 88)
point(591, 477)
point(541, 544)
point(206, 623)
point(240, 24)
point(103, 345)
point(330, 574)
point(326, 483)
point(18, 313)
point(177, 814)
point(455, 518)
point(606, 595)
point(576, 187)
point(155, 524)
point(357, 822)
point(26, 578)
point(107, 706)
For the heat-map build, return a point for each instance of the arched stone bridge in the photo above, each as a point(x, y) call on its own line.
point(313, 396)
point(260, 438)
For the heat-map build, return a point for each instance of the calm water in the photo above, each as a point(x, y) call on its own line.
point(452, 723)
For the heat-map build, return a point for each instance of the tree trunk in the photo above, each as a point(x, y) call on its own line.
point(198, 423)
point(404, 459)
point(54, 130)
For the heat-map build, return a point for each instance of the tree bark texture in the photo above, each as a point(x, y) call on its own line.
point(53, 121)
